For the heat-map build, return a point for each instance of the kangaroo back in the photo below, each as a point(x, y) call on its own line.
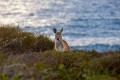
point(65, 46)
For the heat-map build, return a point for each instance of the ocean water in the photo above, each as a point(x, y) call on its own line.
point(87, 24)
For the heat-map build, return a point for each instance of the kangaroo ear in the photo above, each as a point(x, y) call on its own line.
point(61, 30)
point(54, 30)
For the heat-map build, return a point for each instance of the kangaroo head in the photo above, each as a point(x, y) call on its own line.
point(58, 34)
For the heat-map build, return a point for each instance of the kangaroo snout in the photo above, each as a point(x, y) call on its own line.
point(57, 38)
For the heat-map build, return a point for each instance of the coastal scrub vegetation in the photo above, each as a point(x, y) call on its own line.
point(15, 41)
point(24, 56)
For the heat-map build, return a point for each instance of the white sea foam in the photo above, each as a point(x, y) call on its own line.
point(93, 40)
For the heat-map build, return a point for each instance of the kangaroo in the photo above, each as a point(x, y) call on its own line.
point(60, 44)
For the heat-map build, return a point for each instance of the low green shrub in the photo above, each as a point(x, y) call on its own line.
point(14, 40)
point(106, 64)
point(52, 65)
point(2, 58)
point(43, 43)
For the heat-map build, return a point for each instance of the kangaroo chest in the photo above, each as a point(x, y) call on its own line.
point(59, 47)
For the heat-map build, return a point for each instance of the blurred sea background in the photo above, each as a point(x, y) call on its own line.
point(88, 24)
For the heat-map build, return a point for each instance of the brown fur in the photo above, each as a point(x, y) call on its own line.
point(60, 44)
point(65, 46)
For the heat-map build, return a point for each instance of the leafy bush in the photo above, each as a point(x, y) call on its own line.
point(52, 65)
point(43, 43)
point(14, 40)
point(107, 64)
